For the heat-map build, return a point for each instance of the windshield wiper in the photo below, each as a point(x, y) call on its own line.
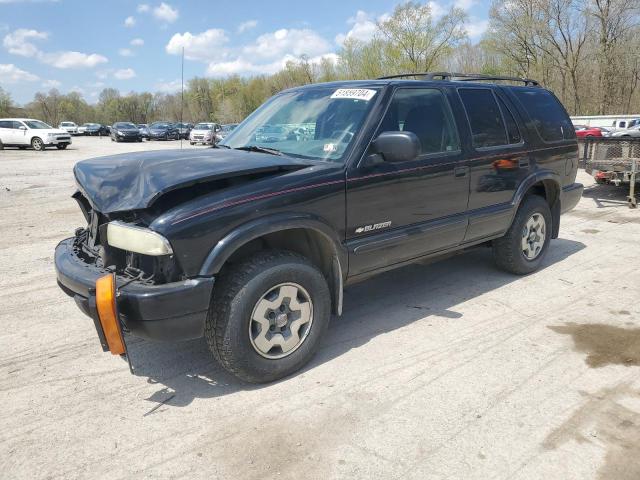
point(257, 148)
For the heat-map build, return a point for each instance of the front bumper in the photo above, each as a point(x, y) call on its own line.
point(571, 195)
point(171, 311)
point(61, 140)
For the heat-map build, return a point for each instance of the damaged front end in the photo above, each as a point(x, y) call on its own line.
point(152, 297)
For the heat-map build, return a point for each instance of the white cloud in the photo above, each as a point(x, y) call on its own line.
point(9, 73)
point(166, 13)
point(205, 46)
point(437, 10)
point(136, 42)
point(124, 74)
point(143, 8)
point(241, 66)
point(363, 28)
point(293, 41)
point(464, 4)
point(18, 42)
point(129, 22)
point(168, 87)
point(475, 28)
point(72, 59)
point(125, 52)
point(248, 25)
point(51, 84)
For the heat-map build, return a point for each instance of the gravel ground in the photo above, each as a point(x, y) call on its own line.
point(451, 370)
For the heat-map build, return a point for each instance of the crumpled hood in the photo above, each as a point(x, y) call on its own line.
point(133, 181)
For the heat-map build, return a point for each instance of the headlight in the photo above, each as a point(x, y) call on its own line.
point(120, 133)
point(137, 239)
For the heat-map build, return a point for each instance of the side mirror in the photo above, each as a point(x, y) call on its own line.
point(22, 127)
point(397, 146)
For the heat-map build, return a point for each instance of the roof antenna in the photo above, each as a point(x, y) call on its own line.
point(181, 97)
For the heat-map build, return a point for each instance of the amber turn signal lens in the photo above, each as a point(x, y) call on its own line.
point(107, 312)
point(505, 164)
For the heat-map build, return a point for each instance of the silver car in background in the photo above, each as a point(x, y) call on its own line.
point(204, 133)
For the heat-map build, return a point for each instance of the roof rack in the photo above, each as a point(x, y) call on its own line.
point(462, 77)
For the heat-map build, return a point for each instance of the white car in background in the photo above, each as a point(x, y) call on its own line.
point(203, 133)
point(70, 127)
point(28, 132)
point(633, 131)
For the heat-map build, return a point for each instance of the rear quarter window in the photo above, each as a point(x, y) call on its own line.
point(548, 115)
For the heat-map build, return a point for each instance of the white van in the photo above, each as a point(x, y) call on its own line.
point(28, 132)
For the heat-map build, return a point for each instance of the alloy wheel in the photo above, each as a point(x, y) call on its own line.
point(281, 321)
point(533, 236)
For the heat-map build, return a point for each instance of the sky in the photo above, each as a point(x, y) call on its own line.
point(85, 46)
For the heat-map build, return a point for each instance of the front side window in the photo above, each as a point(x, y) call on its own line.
point(485, 119)
point(425, 112)
point(316, 123)
point(546, 112)
point(36, 125)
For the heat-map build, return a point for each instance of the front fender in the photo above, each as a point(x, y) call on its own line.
point(243, 234)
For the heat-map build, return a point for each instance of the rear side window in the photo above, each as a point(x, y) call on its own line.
point(513, 132)
point(547, 114)
point(425, 112)
point(6, 124)
point(485, 119)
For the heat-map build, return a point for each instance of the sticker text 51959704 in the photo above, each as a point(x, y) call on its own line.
point(365, 94)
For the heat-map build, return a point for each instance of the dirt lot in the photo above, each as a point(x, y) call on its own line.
point(452, 370)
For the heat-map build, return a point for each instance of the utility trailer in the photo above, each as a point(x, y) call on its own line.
point(613, 160)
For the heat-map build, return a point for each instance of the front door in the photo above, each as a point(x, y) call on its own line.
point(400, 211)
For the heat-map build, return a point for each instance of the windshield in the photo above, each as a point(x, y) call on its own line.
point(203, 126)
point(125, 125)
point(68, 124)
point(161, 125)
point(36, 124)
point(317, 123)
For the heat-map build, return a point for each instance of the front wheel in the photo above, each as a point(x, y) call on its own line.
point(522, 249)
point(37, 144)
point(267, 316)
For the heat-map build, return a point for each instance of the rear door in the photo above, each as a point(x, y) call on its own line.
point(499, 161)
point(20, 133)
point(400, 211)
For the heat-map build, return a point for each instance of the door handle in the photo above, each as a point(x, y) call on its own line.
point(460, 171)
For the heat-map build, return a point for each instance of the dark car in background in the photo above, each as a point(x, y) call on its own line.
point(125, 132)
point(225, 130)
point(95, 129)
point(184, 129)
point(144, 130)
point(163, 131)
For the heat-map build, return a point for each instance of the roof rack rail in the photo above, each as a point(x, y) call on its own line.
point(462, 77)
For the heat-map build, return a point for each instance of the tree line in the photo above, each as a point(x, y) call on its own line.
point(586, 51)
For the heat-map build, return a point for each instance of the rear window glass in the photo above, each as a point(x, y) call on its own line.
point(547, 114)
point(485, 118)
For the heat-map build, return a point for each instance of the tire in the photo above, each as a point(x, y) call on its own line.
point(234, 337)
point(37, 144)
point(62, 146)
point(1, 145)
point(508, 251)
point(192, 143)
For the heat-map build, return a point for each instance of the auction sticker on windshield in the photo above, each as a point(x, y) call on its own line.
point(354, 93)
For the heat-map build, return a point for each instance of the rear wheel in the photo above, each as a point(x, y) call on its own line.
point(37, 144)
point(1, 145)
point(268, 315)
point(523, 247)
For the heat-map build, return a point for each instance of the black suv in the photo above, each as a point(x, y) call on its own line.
point(250, 244)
